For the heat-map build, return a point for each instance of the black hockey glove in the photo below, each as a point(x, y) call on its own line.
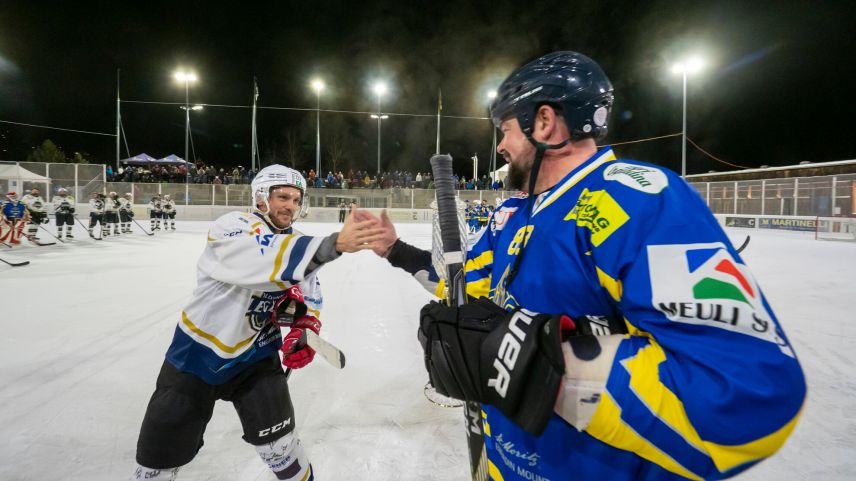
point(510, 360)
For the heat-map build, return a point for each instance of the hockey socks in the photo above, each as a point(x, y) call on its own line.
point(286, 458)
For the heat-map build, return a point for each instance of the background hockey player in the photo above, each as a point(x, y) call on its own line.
point(64, 213)
point(155, 212)
point(616, 334)
point(38, 209)
point(126, 212)
point(96, 213)
point(13, 217)
point(168, 206)
point(225, 345)
point(111, 213)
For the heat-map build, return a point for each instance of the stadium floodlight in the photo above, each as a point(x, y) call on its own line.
point(689, 66)
point(317, 85)
point(379, 89)
point(187, 78)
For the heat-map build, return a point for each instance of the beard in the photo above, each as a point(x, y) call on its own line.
point(518, 174)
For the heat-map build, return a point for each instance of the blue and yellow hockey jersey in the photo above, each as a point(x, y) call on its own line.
point(704, 385)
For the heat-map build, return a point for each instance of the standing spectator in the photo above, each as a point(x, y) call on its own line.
point(342, 210)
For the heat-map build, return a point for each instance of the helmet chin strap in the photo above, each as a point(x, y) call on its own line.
point(540, 148)
point(266, 216)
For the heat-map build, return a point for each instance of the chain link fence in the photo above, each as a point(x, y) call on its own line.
point(824, 196)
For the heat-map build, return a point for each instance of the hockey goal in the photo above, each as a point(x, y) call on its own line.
point(836, 228)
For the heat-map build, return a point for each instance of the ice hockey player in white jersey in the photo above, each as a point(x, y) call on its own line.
point(126, 212)
point(96, 213)
point(38, 212)
point(64, 211)
point(168, 215)
point(111, 213)
point(155, 212)
point(226, 346)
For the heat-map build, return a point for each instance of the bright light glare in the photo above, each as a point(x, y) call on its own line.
point(379, 88)
point(185, 76)
point(492, 94)
point(317, 85)
point(689, 66)
point(382, 117)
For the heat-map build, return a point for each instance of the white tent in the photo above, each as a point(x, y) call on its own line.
point(14, 176)
point(500, 173)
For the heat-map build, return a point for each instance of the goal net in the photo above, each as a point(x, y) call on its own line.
point(836, 228)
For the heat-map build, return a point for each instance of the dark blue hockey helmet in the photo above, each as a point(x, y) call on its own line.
point(570, 82)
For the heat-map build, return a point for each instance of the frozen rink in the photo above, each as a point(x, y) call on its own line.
point(85, 327)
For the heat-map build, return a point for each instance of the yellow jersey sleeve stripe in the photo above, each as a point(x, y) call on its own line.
point(213, 339)
point(611, 285)
point(727, 457)
point(493, 471)
point(607, 426)
point(663, 403)
point(277, 265)
point(485, 259)
point(479, 288)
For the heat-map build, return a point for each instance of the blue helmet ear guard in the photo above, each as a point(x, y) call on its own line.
point(570, 82)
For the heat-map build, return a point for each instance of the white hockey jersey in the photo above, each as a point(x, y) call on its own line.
point(243, 270)
point(155, 206)
point(125, 205)
point(63, 205)
point(34, 203)
point(112, 205)
point(168, 206)
point(96, 206)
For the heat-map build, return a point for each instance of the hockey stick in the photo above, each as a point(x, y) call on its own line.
point(39, 243)
point(5, 244)
point(744, 244)
point(453, 257)
point(87, 229)
point(325, 349)
point(14, 264)
point(49, 233)
point(141, 227)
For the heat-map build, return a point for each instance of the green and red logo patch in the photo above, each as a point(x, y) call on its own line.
point(702, 284)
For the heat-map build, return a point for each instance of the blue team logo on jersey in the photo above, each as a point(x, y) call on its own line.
point(263, 240)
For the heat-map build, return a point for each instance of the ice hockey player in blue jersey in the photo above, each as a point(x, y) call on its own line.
point(13, 217)
point(614, 333)
point(226, 345)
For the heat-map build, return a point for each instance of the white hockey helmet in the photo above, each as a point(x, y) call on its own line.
point(62, 190)
point(274, 176)
point(113, 195)
point(128, 195)
point(166, 197)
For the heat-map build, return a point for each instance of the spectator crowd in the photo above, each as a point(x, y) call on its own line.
point(200, 173)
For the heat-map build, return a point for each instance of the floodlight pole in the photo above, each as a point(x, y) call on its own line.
point(118, 120)
point(684, 130)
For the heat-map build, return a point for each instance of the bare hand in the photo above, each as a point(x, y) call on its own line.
point(386, 235)
point(356, 234)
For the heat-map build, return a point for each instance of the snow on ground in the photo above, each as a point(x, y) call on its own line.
point(86, 326)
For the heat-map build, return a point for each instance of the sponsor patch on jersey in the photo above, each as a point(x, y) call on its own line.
point(500, 218)
point(646, 179)
point(598, 212)
point(703, 284)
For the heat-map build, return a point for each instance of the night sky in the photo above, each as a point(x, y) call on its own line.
point(777, 90)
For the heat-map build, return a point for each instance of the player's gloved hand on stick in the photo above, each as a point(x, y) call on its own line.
point(290, 311)
point(289, 307)
point(295, 352)
point(510, 360)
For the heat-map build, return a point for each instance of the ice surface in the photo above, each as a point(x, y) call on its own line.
point(85, 327)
